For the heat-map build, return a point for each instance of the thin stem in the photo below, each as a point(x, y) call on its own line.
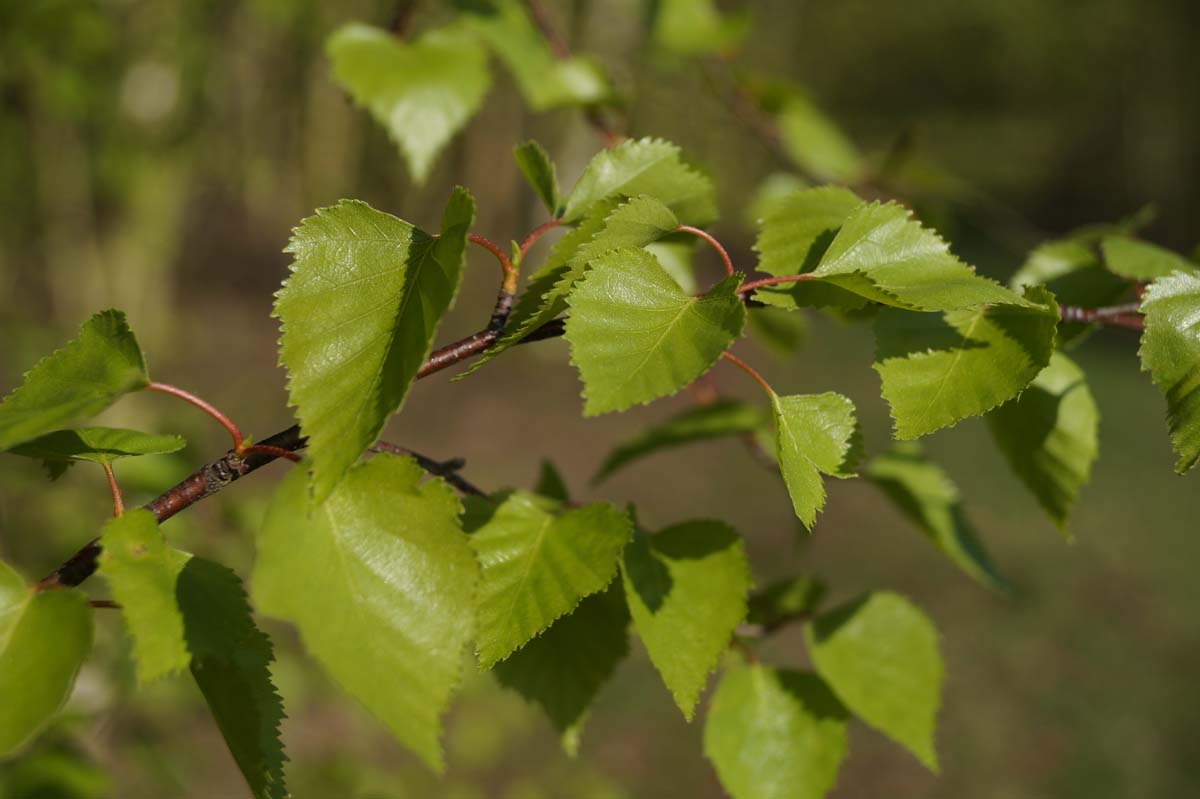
point(750, 370)
point(712, 242)
point(447, 470)
point(104, 603)
point(225, 421)
point(511, 273)
point(118, 501)
point(274, 452)
point(772, 281)
point(1126, 315)
point(537, 233)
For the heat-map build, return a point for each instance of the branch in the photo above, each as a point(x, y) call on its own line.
point(1127, 315)
point(447, 470)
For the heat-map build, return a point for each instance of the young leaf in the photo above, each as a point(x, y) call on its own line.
point(925, 494)
point(545, 80)
point(550, 483)
point(537, 564)
point(422, 92)
point(97, 444)
point(535, 164)
point(939, 369)
point(83, 378)
point(774, 734)
point(644, 166)
point(380, 581)
point(1170, 352)
point(724, 418)
point(1139, 260)
point(231, 661)
point(815, 434)
point(607, 227)
point(635, 336)
point(564, 668)
point(686, 588)
point(696, 27)
point(359, 313)
point(1049, 435)
point(142, 572)
point(880, 656)
point(44, 637)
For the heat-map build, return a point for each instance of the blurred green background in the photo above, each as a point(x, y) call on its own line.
point(154, 156)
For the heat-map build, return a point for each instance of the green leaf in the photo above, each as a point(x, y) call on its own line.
point(775, 190)
point(44, 637)
point(96, 444)
point(142, 572)
point(927, 497)
point(1139, 260)
point(1170, 352)
point(635, 336)
point(780, 331)
point(422, 92)
point(83, 378)
point(359, 313)
point(724, 418)
point(815, 434)
point(784, 600)
point(636, 223)
point(686, 588)
point(696, 27)
point(676, 254)
point(550, 483)
point(880, 656)
point(380, 581)
point(1049, 435)
point(774, 734)
point(939, 369)
point(644, 166)
point(1071, 269)
point(535, 164)
point(231, 660)
point(564, 668)
point(545, 80)
point(537, 564)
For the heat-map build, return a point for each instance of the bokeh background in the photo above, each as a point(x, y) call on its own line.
point(154, 156)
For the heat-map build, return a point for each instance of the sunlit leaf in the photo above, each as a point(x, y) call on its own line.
point(97, 444)
point(697, 27)
point(538, 169)
point(1140, 260)
point(815, 434)
point(1170, 352)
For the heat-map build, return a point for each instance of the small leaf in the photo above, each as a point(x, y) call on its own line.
point(537, 564)
point(535, 164)
point(231, 660)
point(83, 378)
point(880, 656)
point(380, 582)
point(686, 588)
point(545, 80)
point(1170, 352)
point(676, 254)
point(815, 434)
point(635, 336)
point(1071, 269)
point(142, 572)
point(724, 418)
point(696, 27)
point(939, 369)
point(1049, 434)
point(784, 600)
point(422, 92)
point(550, 483)
point(644, 166)
point(564, 668)
point(359, 313)
point(1139, 260)
point(775, 734)
point(97, 444)
point(927, 497)
point(44, 637)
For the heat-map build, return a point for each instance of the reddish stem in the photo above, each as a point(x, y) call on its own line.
point(773, 281)
point(750, 370)
point(104, 603)
point(1126, 315)
point(537, 233)
point(118, 501)
point(274, 452)
point(225, 421)
point(511, 275)
point(712, 242)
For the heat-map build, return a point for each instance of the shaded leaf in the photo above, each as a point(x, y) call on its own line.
point(358, 314)
point(83, 378)
point(880, 656)
point(781, 331)
point(550, 483)
point(535, 164)
point(697, 27)
point(774, 734)
point(1140, 260)
point(538, 563)
point(1049, 435)
point(1071, 268)
point(815, 434)
point(786, 599)
point(635, 336)
point(97, 444)
point(925, 494)
point(686, 588)
point(1170, 352)
point(397, 582)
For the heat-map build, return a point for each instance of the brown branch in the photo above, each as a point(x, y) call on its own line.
point(447, 470)
point(1127, 315)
